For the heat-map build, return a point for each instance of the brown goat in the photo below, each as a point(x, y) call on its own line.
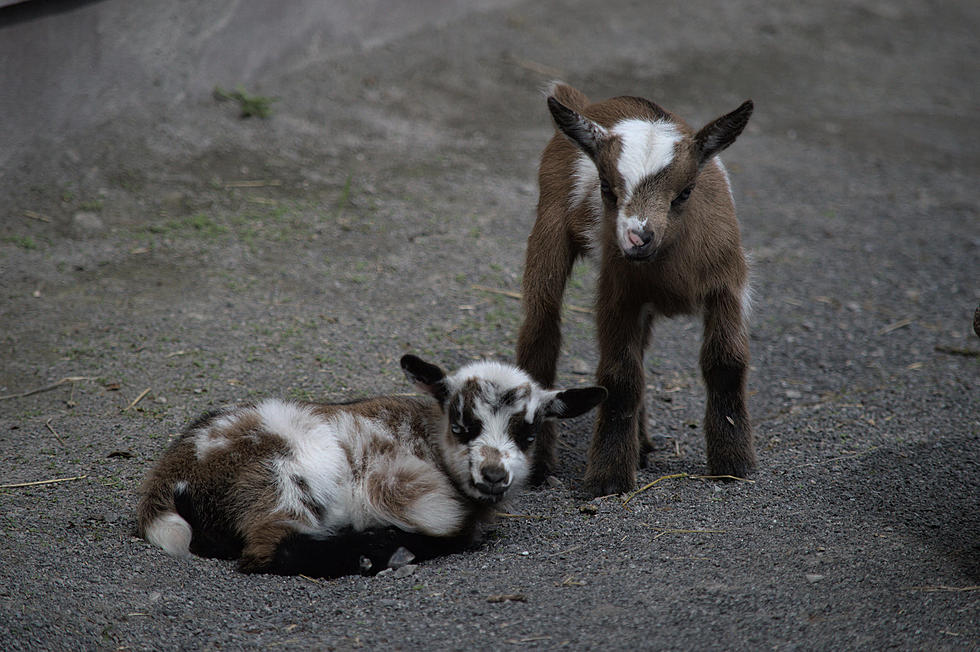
point(640, 191)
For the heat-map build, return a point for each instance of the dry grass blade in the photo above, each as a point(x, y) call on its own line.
point(836, 459)
point(952, 350)
point(895, 326)
point(37, 216)
point(721, 477)
point(38, 483)
point(507, 597)
point(47, 424)
point(519, 296)
point(137, 399)
point(47, 388)
point(942, 587)
point(650, 484)
point(253, 183)
point(678, 531)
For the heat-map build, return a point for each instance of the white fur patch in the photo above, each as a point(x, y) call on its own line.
point(172, 533)
point(436, 513)
point(585, 188)
point(207, 442)
point(724, 173)
point(647, 148)
point(316, 458)
point(504, 376)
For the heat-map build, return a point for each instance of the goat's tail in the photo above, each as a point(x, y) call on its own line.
point(573, 98)
point(157, 517)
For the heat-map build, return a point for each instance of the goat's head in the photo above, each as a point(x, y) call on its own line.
point(647, 162)
point(492, 413)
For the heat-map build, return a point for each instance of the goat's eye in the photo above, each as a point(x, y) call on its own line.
point(457, 429)
point(607, 192)
point(682, 197)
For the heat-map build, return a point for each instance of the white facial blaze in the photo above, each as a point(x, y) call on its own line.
point(494, 437)
point(495, 440)
point(647, 148)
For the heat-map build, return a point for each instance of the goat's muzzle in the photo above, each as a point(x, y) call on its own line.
point(643, 248)
point(495, 480)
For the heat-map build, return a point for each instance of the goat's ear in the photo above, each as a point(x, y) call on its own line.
point(585, 133)
point(426, 376)
point(573, 402)
point(722, 132)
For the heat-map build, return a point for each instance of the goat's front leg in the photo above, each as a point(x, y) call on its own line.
point(615, 449)
point(261, 542)
point(724, 364)
point(550, 257)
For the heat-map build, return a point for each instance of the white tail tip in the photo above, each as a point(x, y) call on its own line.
point(172, 533)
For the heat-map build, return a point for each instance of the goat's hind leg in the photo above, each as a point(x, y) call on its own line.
point(642, 434)
point(724, 364)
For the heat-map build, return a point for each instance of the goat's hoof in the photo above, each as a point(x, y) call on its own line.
point(733, 468)
point(608, 485)
point(252, 565)
point(540, 474)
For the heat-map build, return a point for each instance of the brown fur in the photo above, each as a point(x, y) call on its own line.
point(287, 486)
point(699, 266)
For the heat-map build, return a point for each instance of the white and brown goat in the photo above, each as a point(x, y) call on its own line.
point(642, 193)
point(334, 489)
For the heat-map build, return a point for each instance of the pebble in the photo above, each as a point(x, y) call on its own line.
point(404, 571)
point(813, 578)
point(401, 557)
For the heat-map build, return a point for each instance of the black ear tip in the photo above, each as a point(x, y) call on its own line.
point(408, 360)
point(557, 108)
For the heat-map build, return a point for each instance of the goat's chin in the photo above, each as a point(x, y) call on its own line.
point(487, 498)
point(640, 256)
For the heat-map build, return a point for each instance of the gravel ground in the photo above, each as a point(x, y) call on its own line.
point(159, 262)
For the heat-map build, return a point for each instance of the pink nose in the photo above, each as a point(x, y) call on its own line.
point(638, 239)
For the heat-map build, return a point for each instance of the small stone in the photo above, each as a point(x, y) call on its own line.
point(813, 578)
point(401, 557)
point(589, 508)
point(792, 393)
point(404, 571)
point(580, 367)
point(553, 482)
point(365, 565)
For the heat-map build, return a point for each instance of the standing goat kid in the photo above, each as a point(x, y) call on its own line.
point(640, 191)
point(331, 490)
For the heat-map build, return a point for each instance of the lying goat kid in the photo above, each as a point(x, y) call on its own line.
point(329, 490)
